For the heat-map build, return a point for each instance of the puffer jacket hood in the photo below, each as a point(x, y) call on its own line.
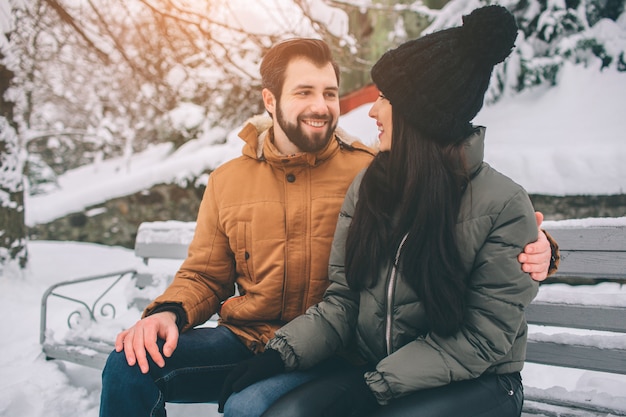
point(264, 228)
point(495, 222)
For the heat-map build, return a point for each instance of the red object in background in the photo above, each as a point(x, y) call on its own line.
point(357, 98)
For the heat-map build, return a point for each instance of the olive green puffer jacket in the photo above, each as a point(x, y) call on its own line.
point(496, 221)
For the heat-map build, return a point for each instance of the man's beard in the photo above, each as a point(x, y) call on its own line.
point(298, 137)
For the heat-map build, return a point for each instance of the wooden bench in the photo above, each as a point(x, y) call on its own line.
point(592, 251)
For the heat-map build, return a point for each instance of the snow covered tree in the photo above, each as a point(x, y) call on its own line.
point(372, 30)
point(106, 77)
point(12, 230)
point(552, 33)
point(586, 32)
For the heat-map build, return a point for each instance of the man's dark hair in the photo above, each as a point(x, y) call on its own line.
point(275, 62)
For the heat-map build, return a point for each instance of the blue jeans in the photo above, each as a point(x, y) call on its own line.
point(193, 374)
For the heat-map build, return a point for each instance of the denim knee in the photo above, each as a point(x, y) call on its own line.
point(117, 371)
point(127, 391)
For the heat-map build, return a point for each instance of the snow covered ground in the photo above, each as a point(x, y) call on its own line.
point(31, 386)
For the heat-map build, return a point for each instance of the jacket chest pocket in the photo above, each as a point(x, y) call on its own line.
point(243, 250)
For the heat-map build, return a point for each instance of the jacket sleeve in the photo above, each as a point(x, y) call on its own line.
point(206, 276)
point(328, 326)
point(498, 291)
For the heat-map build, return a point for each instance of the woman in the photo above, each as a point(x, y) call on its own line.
point(424, 276)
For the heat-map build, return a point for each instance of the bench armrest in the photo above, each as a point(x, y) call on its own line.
point(92, 306)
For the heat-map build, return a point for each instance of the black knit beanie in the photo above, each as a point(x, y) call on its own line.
point(438, 82)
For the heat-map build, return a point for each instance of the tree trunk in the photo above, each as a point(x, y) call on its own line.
point(376, 31)
point(12, 226)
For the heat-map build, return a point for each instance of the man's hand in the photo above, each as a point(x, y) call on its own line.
point(536, 256)
point(142, 337)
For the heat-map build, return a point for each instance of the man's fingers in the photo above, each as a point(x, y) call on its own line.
point(128, 347)
point(539, 218)
point(536, 258)
point(139, 346)
point(542, 245)
point(533, 263)
point(541, 237)
point(119, 341)
point(171, 342)
point(539, 276)
point(153, 350)
point(537, 251)
point(141, 340)
point(536, 271)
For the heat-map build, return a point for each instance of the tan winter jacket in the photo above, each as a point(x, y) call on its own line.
point(265, 224)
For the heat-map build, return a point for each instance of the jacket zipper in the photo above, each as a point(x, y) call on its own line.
point(391, 287)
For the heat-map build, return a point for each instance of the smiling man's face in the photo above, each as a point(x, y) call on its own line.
point(307, 111)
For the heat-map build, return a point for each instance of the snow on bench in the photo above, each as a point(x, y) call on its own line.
point(163, 240)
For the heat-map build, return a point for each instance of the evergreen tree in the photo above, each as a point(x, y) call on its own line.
point(552, 33)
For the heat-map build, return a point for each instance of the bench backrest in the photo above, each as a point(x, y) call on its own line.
point(163, 240)
point(592, 251)
point(591, 248)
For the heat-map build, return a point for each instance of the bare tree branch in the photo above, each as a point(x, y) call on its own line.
point(67, 18)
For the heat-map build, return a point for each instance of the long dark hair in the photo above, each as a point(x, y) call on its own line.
point(414, 189)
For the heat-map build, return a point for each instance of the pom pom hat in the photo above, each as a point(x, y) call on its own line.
point(438, 82)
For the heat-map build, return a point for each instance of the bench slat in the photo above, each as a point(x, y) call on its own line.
point(606, 318)
point(605, 238)
point(80, 355)
point(164, 240)
point(538, 402)
point(593, 264)
point(161, 251)
point(572, 356)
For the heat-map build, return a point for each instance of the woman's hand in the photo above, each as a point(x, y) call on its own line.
point(246, 373)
